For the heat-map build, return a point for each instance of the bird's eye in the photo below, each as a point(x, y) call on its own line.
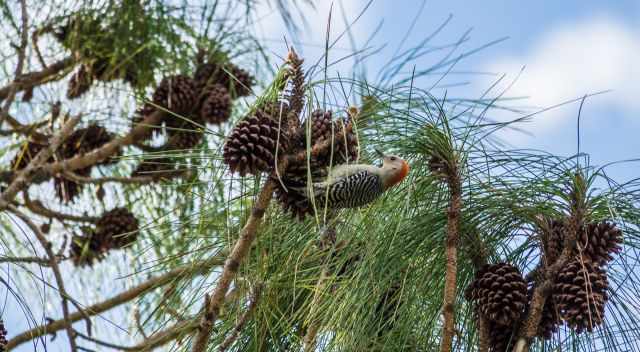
point(393, 158)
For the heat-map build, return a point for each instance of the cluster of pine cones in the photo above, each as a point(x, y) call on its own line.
point(191, 102)
point(578, 295)
point(265, 137)
point(116, 229)
point(80, 142)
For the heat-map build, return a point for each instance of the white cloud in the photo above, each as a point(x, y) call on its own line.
point(573, 60)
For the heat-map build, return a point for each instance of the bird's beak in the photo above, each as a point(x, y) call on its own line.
point(380, 154)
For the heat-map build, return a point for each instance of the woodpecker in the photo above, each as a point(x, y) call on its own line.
point(355, 185)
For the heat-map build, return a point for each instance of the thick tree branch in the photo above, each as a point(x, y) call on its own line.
point(453, 227)
point(53, 263)
point(179, 273)
point(232, 264)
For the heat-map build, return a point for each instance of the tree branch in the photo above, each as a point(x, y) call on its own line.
point(453, 224)
point(33, 79)
point(124, 297)
point(37, 207)
point(22, 51)
point(232, 264)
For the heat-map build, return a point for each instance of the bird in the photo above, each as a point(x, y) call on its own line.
point(356, 185)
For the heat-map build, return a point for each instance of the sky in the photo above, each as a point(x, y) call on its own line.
point(567, 49)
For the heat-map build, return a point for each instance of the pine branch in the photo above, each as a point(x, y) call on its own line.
point(36, 207)
point(240, 250)
point(22, 51)
point(187, 270)
point(453, 224)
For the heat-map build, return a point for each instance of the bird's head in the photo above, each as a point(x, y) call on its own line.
point(394, 169)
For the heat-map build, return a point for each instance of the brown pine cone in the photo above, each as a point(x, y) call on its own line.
point(85, 140)
point(3, 337)
point(600, 241)
point(177, 94)
point(580, 294)
point(499, 292)
point(87, 249)
point(252, 145)
point(118, 227)
point(216, 105)
point(553, 240)
point(237, 81)
point(186, 139)
point(501, 338)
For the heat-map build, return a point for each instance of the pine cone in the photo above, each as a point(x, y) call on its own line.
point(216, 106)
point(600, 241)
point(580, 295)
point(177, 94)
point(252, 145)
point(501, 338)
point(80, 83)
point(499, 293)
point(237, 81)
point(187, 139)
point(118, 227)
point(87, 249)
point(553, 240)
point(3, 337)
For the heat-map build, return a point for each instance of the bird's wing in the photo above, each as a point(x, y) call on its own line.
point(352, 190)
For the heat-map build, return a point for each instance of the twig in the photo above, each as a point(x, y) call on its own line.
point(123, 180)
point(29, 172)
point(104, 343)
point(453, 223)
point(233, 336)
point(186, 270)
point(53, 263)
point(136, 317)
point(37, 207)
point(22, 51)
point(36, 260)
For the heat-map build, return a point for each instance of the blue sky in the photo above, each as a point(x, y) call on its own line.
point(569, 48)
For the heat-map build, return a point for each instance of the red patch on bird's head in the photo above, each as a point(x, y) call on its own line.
point(398, 176)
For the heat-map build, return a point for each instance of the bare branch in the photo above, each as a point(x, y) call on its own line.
point(185, 271)
point(22, 51)
point(35, 260)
